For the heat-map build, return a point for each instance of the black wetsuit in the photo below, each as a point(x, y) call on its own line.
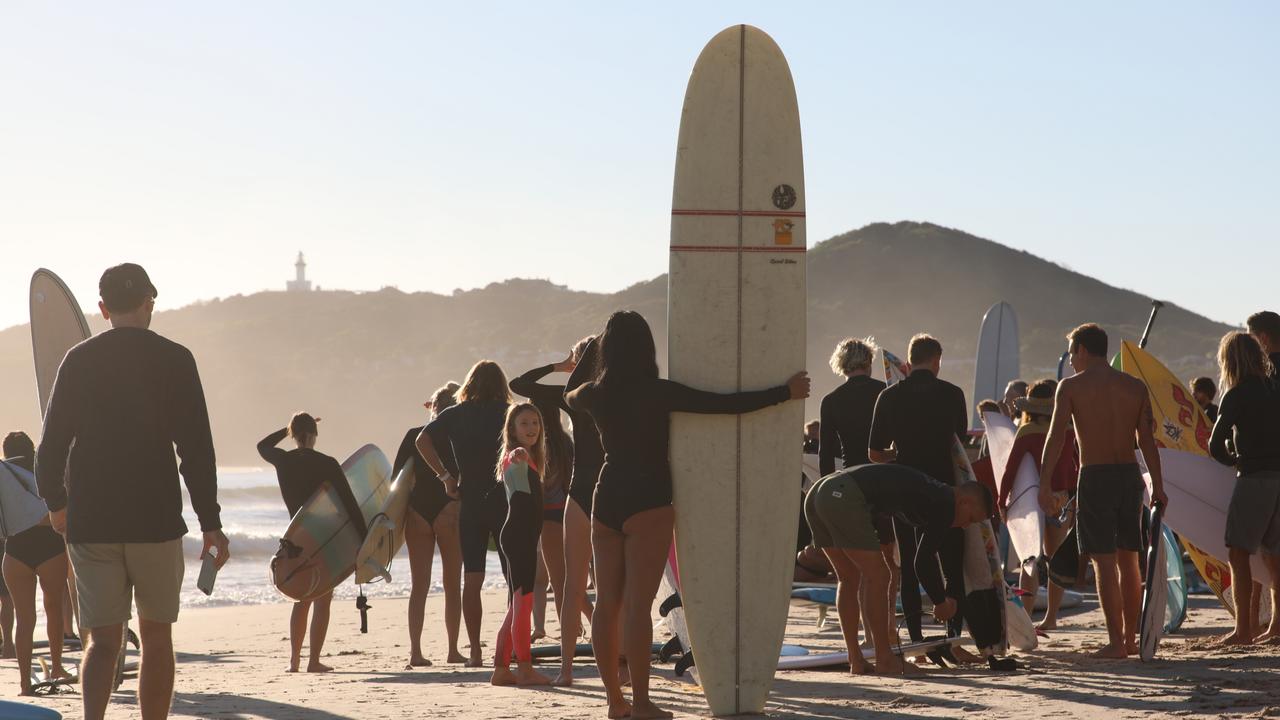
point(1252, 410)
point(846, 426)
point(635, 430)
point(549, 399)
point(915, 499)
point(473, 430)
point(37, 544)
point(519, 543)
point(922, 416)
point(428, 497)
point(303, 471)
point(1211, 411)
point(588, 454)
point(127, 398)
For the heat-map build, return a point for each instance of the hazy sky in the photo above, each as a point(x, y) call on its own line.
point(434, 145)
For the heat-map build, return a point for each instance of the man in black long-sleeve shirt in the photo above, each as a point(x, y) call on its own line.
point(121, 403)
point(921, 417)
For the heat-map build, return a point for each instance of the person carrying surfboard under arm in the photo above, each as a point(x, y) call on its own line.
point(566, 536)
point(430, 522)
point(921, 418)
point(471, 432)
point(127, 399)
point(1109, 409)
point(524, 451)
point(1036, 409)
point(34, 556)
point(1249, 416)
point(301, 472)
point(632, 522)
point(846, 415)
point(842, 510)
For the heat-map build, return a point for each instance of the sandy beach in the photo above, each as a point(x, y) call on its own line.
point(232, 660)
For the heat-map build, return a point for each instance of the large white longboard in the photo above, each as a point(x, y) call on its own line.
point(737, 322)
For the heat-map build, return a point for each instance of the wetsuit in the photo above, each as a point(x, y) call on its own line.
point(846, 426)
point(635, 430)
point(428, 497)
point(842, 506)
point(1250, 413)
point(549, 399)
point(473, 430)
point(922, 417)
point(38, 544)
point(519, 542)
point(304, 471)
point(588, 454)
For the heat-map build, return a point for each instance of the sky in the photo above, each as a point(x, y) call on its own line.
point(433, 146)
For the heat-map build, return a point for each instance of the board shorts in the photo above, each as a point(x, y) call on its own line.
point(839, 516)
point(1109, 508)
point(1253, 517)
point(111, 577)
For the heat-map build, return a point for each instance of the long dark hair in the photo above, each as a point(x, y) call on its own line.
point(627, 353)
point(485, 381)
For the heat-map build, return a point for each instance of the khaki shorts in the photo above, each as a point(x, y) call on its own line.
point(111, 576)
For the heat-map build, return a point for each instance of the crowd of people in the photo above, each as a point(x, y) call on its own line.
point(560, 503)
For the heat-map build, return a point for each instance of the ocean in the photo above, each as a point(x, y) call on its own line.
point(253, 518)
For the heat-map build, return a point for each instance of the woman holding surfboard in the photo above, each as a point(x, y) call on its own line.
point(524, 454)
point(37, 556)
point(431, 522)
point(301, 472)
point(632, 522)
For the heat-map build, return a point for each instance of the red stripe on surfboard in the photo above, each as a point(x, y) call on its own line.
point(724, 248)
point(736, 213)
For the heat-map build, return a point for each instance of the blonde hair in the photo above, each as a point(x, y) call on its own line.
point(537, 453)
point(852, 355)
point(1240, 356)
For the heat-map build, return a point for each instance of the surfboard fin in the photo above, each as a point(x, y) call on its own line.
point(672, 648)
point(684, 663)
point(670, 604)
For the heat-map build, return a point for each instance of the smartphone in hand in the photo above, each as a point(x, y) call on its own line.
point(208, 573)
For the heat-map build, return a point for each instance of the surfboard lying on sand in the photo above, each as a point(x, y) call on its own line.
point(386, 531)
point(736, 321)
point(319, 548)
point(819, 660)
point(997, 363)
point(23, 711)
point(1024, 518)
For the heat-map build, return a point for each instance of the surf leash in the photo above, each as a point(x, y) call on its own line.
point(362, 604)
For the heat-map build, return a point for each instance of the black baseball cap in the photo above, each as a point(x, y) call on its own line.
point(125, 287)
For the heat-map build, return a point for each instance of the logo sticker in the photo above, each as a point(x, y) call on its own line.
point(784, 196)
point(782, 231)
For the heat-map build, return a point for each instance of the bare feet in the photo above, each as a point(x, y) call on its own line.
point(293, 664)
point(893, 665)
point(964, 656)
point(646, 710)
point(1235, 638)
point(1270, 637)
point(418, 661)
point(1111, 652)
point(619, 709)
point(475, 660)
point(537, 635)
point(861, 667)
point(1131, 648)
point(565, 678)
point(526, 676)
point(1047, 624)
point(455, 657)
point(26, 690)
point(315, 666)
point(502, 676)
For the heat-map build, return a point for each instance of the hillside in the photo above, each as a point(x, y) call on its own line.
point(364, 362)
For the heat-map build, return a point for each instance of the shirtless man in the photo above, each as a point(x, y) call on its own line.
point(1109, 408)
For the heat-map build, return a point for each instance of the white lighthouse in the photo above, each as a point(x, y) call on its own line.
point(300, 283)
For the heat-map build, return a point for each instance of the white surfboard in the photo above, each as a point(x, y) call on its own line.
point(821, 660)
point(1025, 518)
point(57, 325)
point(21, 507)
point(736, 321)
point(998, 359)
point(1199, 490)
point(386, 530)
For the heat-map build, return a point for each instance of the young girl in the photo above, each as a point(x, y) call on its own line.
point(524, 451)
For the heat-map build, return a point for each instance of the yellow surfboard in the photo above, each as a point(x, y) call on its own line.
point(1180, 424)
